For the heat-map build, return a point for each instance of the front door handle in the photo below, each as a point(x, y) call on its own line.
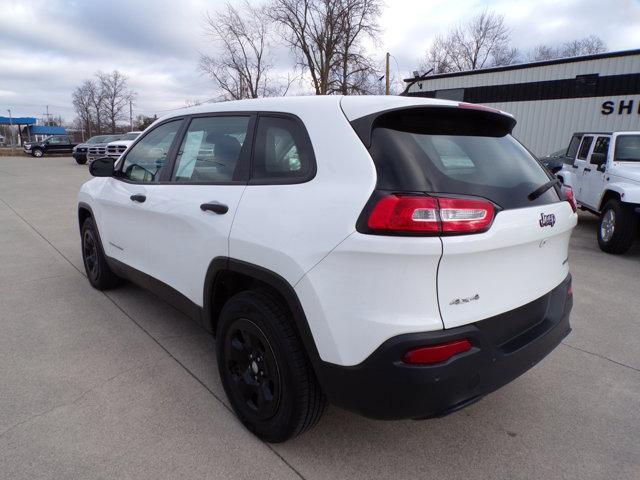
point(215, 207)
point(138, 197)
point(587, 169)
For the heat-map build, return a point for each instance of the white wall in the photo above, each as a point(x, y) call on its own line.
point(546, 126)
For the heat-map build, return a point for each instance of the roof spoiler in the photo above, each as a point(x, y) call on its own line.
point(463, 119)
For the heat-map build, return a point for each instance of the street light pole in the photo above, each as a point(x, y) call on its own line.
point(386, 75)
point(10, 129)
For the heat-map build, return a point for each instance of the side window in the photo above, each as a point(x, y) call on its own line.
point(283, 151)
point(211, 149)
point(146, 159)
point(600, 150)
point(573, 146)
point(584, 148)
point(54, 140)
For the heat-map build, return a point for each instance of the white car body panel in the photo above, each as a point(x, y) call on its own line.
point(515, 262)
point(368, 289)
point(324, 208)
point(183, 239)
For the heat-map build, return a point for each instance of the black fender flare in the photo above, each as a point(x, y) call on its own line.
point(273, 280)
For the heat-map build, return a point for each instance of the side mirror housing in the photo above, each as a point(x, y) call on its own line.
point(102, 167)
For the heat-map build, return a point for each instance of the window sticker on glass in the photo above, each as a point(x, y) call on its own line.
point(189, 155)
point(451, 155)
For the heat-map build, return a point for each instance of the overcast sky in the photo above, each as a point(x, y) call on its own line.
point(48, 47)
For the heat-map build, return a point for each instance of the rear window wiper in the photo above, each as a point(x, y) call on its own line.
point(542, 188)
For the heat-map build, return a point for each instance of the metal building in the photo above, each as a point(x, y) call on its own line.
point(550, 99)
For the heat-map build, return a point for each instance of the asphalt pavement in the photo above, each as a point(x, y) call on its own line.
point(121, 385)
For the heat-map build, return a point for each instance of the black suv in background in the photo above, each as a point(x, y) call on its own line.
point(54, 144)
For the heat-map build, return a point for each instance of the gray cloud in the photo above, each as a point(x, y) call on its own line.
point(47, 47)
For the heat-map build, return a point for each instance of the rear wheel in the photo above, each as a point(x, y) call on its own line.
point(617, 227)
point(95, 264)
point(37, 152)
point(264, 369)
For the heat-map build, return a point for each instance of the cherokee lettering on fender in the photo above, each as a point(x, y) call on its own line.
point(547, 220)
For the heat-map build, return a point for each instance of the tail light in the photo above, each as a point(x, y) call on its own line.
point(436, 353)
point(569, 197)
point(431, 215)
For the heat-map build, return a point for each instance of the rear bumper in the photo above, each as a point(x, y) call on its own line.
point(504, 347)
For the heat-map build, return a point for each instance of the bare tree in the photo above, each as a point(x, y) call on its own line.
point(354, 72)
point(240, 68)
point(480, 43)
point(326, 37)
point(584, 46)
point(96, 100)
point(116, 96)
point(83, 107)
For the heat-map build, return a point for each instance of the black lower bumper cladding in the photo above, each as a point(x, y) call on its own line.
point(503, 348)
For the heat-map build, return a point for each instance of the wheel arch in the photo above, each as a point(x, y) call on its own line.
point(607, 195)
point(227, 276)
point(84, 212)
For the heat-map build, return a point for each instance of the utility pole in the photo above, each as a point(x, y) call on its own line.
point(386, 75)
point(131, 114)
point(47, 115)
point(10, 129)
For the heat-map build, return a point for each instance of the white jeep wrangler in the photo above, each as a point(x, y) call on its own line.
point(605, 178)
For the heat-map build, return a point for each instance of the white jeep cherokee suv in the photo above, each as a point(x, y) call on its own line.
point(398, 257)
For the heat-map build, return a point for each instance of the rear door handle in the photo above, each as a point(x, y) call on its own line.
point(574, 166)
point(138, 197)
point(215, 207)
point(587, 169)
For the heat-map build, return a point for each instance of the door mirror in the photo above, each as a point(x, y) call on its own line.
point(102, 167)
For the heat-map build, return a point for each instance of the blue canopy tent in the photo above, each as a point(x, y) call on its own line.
point(19, 121)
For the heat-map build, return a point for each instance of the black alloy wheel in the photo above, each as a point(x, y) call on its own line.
point(253, 368)
point(90, 255)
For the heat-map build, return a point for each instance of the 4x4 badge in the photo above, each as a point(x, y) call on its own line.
point(549, 220)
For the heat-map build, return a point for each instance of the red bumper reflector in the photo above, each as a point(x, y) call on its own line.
point(570, 197)
point(436, 353)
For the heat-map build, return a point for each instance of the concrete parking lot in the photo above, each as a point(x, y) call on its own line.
point(121, 385)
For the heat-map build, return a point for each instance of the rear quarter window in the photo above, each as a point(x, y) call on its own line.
point(458, 153)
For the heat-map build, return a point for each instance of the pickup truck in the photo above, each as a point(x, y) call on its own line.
point(603, 171)
point(54, 144)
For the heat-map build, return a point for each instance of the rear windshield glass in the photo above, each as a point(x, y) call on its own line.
point(462, 155)
point(628, 148)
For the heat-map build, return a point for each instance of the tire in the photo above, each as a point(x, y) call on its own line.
point(264, 369)
point(37, 152)
point(81, 161)
point(98, 272)
point(617, 227)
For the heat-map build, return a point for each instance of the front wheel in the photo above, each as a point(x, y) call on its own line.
point(37, 152)
point(617, 227)
point(98, 272)
point(81, 161)
point(264, 369)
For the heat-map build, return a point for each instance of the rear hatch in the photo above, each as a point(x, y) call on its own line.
point(470, 183)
